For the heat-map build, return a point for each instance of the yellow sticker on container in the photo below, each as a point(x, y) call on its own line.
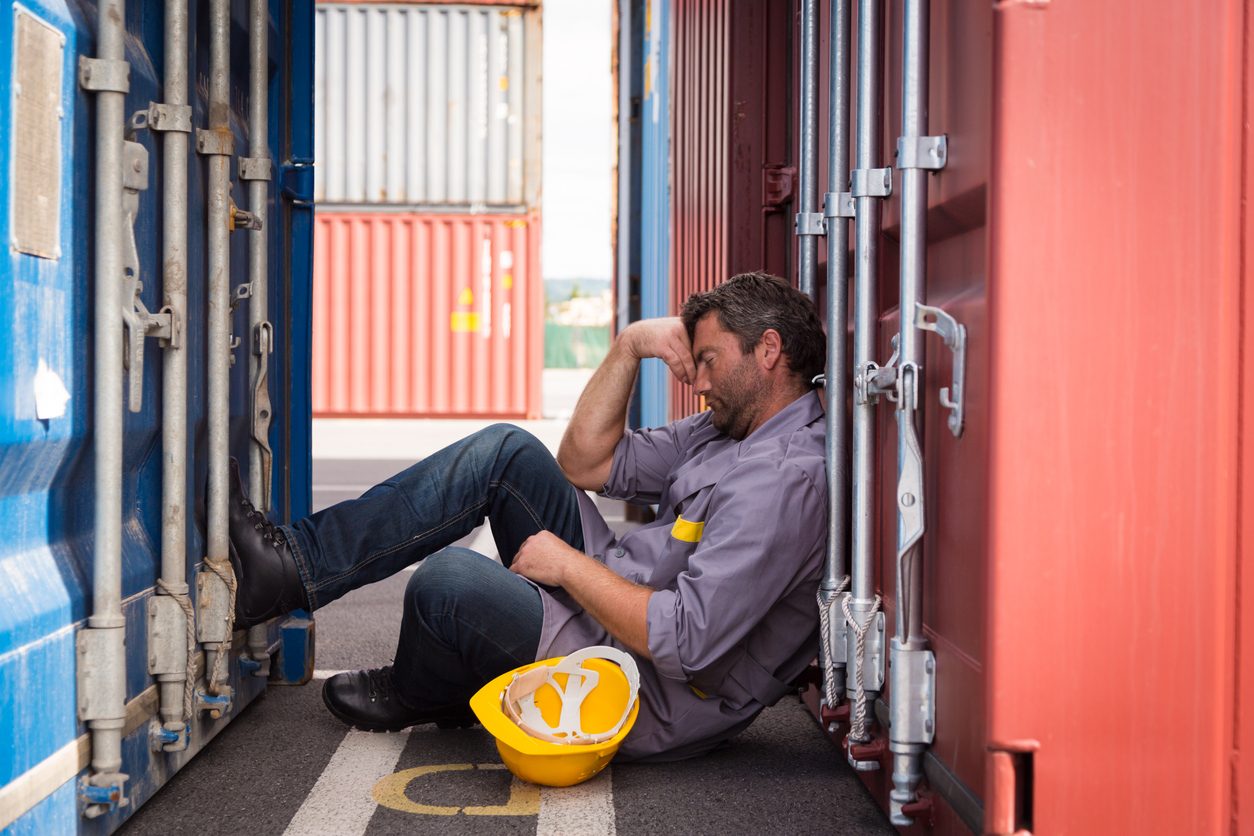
point(467, 297)
point(687, 530)
point(508, 281)
point(461, 322)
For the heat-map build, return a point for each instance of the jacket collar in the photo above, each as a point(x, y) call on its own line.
point(800, 413)
point(696, 475)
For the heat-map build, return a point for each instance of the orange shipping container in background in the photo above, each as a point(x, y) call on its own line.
point(424, 315)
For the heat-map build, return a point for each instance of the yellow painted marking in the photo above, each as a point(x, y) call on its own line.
point(508, 280)
point(524, 798)
point(466, 298)
point(503, 83)
point(461, 322)
point(687, 530)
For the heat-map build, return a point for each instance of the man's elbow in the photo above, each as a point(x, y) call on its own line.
point(579, 472)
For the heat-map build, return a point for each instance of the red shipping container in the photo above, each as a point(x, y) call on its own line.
point(732, 183)
point(424, 315)
point(1086, 552)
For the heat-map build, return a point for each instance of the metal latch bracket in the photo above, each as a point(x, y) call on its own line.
point(254, 168)
point(170, 118)
point(215, 143)
point(871, 182)
point(810, 223)
point(838, 205)
point(926, 152)
point(954, 335)
point(102, 75)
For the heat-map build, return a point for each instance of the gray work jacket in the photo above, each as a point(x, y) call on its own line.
point(735, 557)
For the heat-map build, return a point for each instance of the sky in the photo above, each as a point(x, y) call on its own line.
point(578, 139)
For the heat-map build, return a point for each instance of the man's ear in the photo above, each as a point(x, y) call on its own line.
point(769, 349)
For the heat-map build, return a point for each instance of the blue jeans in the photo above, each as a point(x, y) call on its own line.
point(467, 618)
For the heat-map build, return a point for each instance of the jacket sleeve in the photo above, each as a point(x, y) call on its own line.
point(644, 459)
point(763, 526)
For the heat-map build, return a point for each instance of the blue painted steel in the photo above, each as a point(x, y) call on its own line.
point(46, 467)
point(655, 201)
point(296, 253)
point(296, 650)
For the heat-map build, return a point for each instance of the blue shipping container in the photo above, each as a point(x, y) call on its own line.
point(47, 494)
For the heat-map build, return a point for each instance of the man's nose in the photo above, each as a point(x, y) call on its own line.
point(702, 384)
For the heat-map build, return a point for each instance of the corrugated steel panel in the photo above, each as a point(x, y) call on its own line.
point(48, 498)
point(427, 315)
point(427, 106)
point(730, 121)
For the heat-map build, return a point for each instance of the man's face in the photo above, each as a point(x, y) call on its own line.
point(729, 380)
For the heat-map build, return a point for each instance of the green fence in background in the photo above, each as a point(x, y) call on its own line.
point(575, 346)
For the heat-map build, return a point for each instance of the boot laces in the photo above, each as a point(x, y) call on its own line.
point(381, 683)
point(269, 531)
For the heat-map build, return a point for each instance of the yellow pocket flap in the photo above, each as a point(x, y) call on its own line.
point(688, 531)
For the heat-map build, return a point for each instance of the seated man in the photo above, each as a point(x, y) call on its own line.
point(715, 599)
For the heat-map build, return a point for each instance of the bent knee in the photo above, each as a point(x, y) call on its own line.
point(451, 574)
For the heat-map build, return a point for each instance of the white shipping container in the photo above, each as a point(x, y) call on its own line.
point(427, 106)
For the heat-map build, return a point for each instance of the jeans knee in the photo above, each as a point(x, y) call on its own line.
point(445, 578)
point(508, 437)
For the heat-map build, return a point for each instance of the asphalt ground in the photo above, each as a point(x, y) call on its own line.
point(271, 770)
point(285, 765)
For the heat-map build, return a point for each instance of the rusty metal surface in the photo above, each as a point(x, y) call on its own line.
point(427, 315)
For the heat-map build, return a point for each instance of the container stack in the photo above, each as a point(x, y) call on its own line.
point(427, 289)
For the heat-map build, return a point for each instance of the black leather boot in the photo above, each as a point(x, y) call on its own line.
point(265, 571)
point(370, 701)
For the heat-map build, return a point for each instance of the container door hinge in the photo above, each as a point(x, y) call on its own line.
point(928, 318)
point(929, 153)
point(1008, 794)
point(137, 321)
point(296, 181)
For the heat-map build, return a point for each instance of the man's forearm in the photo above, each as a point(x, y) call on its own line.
point(587, 447)
point(619, 605)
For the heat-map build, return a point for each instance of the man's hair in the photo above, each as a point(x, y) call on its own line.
point(750, 303)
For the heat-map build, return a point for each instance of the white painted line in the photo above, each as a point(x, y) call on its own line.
point(321, 674)
point(341, 804)
point(585, 809)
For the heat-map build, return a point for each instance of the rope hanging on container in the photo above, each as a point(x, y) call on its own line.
point(222, 568)
point(189, 613)
point(825, 641)
point(857, 718)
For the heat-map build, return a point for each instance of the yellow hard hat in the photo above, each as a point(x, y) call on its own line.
point(559, 722)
